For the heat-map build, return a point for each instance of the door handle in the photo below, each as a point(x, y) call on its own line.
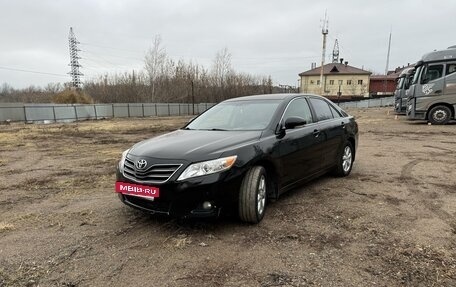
point(316, 133)
point(438, 91)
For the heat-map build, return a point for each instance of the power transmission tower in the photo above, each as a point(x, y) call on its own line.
point(324, 32)
point(74, 61)
point(335, 56)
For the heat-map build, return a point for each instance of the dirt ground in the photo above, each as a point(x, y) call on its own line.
point(392, 222)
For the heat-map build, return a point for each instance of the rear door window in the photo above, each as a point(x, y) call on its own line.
point(335, 113)
point(321, 109)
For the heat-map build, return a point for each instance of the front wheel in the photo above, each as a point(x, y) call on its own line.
point(439, 115)
point(345, 160)
point(252, 195)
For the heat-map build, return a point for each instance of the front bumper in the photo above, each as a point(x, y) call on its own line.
point(186, 198)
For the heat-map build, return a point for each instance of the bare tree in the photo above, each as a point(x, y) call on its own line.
point(155, 61)
point(5, 90)
point(222, 65)
point(221, 69)
point(53, 88)
point(163, 80)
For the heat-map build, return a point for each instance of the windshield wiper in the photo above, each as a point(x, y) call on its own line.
point(216, 129)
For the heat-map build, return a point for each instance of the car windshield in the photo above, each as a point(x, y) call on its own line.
point(236, 115)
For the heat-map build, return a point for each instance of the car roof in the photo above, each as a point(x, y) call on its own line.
point(269, 97)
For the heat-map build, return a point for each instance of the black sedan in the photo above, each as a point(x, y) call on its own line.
point(238, 155)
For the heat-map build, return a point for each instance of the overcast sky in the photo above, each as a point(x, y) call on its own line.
point(265, 37)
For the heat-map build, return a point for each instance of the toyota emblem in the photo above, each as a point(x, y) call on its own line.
point(141, 164)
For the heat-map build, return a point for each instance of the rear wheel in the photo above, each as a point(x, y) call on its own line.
point(345, 160)
point(439, 115)
point(252, 195)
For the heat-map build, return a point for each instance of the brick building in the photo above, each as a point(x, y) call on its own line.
point(381, 85)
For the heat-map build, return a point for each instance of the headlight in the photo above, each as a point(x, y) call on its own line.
point(208, 167)
point(122, 160)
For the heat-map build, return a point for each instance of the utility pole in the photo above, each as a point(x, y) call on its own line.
point(193, 98)
point(324, 32)
point(74, 61)
point(387, 64)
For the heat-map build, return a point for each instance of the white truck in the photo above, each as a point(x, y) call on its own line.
point(432, 95)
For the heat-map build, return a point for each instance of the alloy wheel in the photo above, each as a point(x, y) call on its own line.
point(347, 159)
point(261, 195)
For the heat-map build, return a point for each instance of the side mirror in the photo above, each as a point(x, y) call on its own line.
point(292, 122)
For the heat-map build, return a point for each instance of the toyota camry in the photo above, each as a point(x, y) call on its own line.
point(237, 156)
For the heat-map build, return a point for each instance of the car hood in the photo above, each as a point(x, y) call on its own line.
point(193, 145)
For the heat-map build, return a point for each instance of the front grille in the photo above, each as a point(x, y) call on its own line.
point(156, 173)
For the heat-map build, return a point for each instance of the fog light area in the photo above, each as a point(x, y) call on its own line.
point(207, 205)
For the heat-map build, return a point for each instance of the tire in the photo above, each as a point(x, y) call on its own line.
point(253, 195)
point(439, 115)
point(345, 160)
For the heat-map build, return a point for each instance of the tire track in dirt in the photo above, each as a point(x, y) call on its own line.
point(406, 174)
point(447, 150)
point(412, 184)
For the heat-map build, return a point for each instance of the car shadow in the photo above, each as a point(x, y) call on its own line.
point(182, 224)
point(229, 222)
point(419, 123)
point(308, 189)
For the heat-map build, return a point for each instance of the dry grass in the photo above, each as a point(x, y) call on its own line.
point(72, 97)
point(182, 241)
point(6, 227)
